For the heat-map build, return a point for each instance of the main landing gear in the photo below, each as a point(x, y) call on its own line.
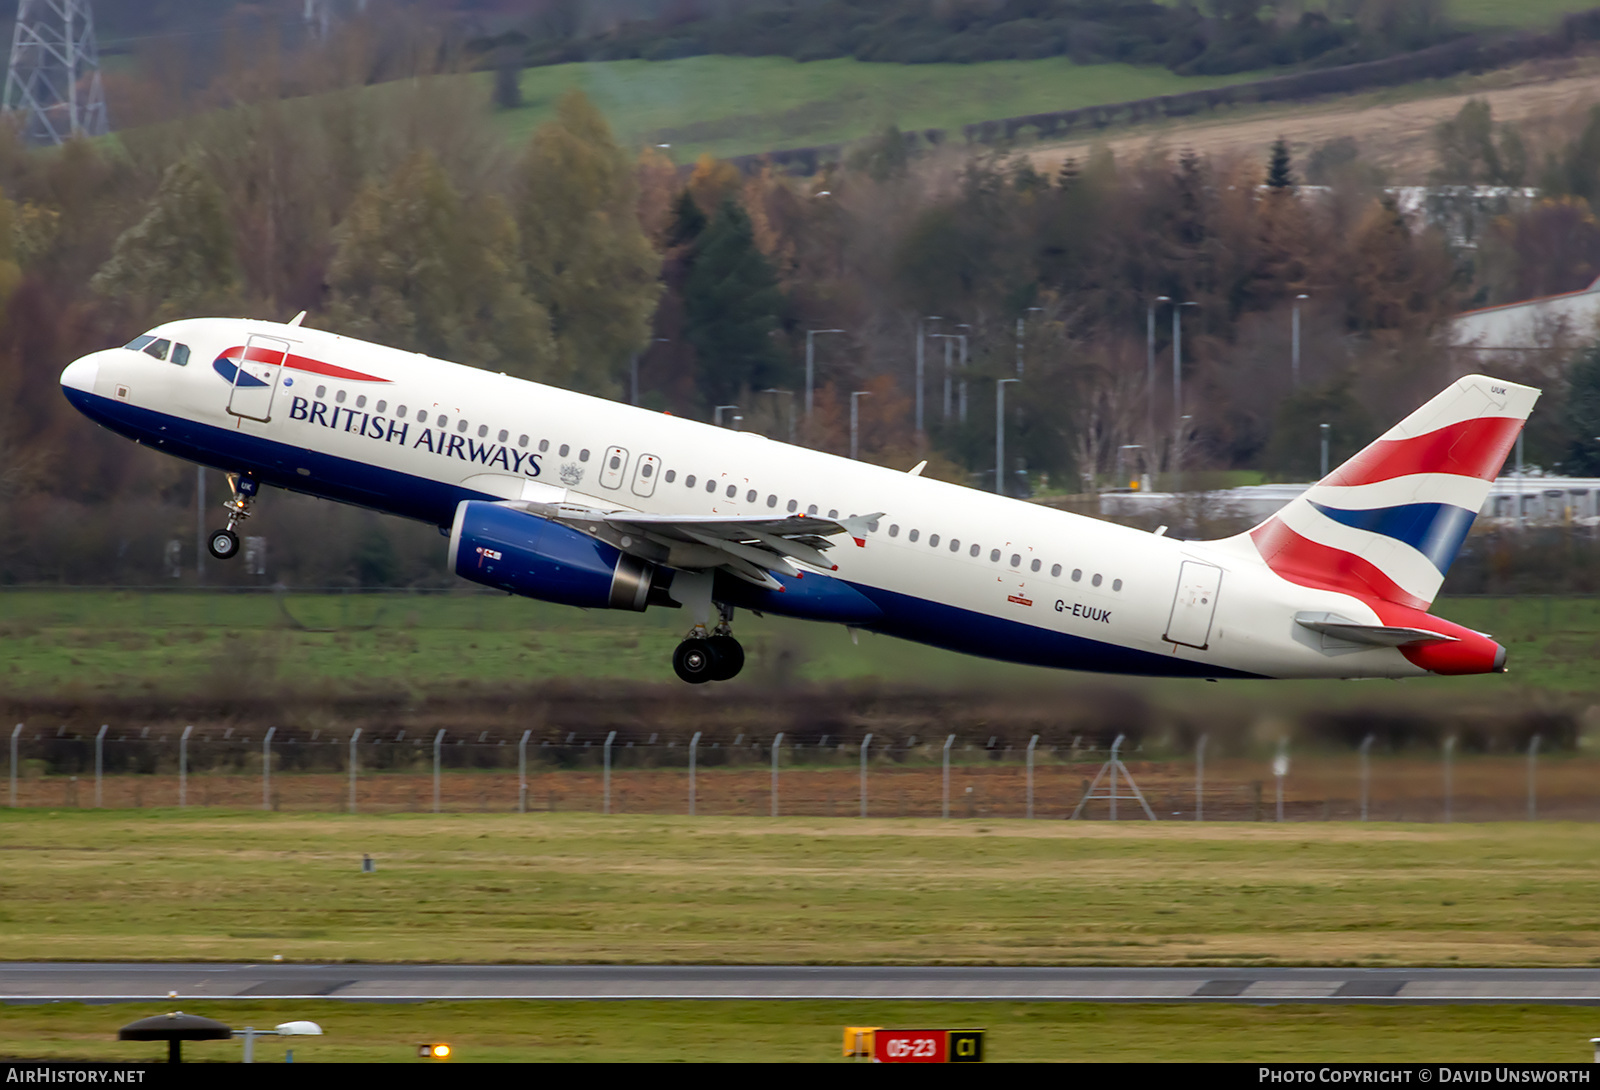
point(714, 657)
point(224, 544)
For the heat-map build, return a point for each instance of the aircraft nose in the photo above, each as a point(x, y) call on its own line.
point(81, 373)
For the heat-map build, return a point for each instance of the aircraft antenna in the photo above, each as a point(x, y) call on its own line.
point(53, 91)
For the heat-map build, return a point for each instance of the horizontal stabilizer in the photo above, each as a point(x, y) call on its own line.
point(1378, 635)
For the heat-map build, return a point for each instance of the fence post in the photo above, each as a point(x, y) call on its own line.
point(612, 737)
point(1533, 778)
point(1200, 778)
point(1366, 774)
point(353, 739)
point(777, 747)
point(947, 744)
point(522, 773)
point(694, 744)
point(1112, 765)
point(1031, 743)
point(99, 761)
point(16, 732)
point(866, 744)
point(438, 746)
point(183, 767)
point(1280, 769)
point(266, 769)
point(1449, 753)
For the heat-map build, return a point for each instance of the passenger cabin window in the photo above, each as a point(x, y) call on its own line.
point(158, 349)
point(1116, 584)
point(733, 490)
point(1077, 574)
point(180, 355)
point(483, 430)
point(793, 504)
point(688, 482)
point(1016, 560)
point(562, 453)
point(1034, 566)
point(544, 445)
point(522, 440)
point(1096, 580)
point(671, 475)
point(583, 455)
point(913, 535)
point(1055, 571)
point(994, 556)
point(361, 401)
point(339, 397)
point(461, 426)
point(322, 391)
point(711, 486)
point(894, 529)
point(504, 435)
point(975, 550)
point(933, 541)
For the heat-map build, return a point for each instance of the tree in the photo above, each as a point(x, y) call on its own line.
point(416, 268)
point(1278, 173)
point(1583, 415)
point(588, 261)
point(1468, 153)
point(731, 305)
point(178, 258)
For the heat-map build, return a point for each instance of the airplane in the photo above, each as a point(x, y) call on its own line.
point(573, 499)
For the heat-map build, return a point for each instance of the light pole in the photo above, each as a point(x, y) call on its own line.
point(948, 337)
point(1150, 359)
point(1020, 328)
point(790, 395)
point(716, 414)
point(920, 368)
point(1124, 447)
point(1177, 363)
point(1323, 428)
point(962, 366)
point(1000, 434)
point(855, 419)
point(811, 363)
point(1295, 352)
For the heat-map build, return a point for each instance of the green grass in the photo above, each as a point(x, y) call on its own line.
point(1536, 15)
point(812, 1031)
point(81, 642)
point(178, 885)
point(738, 105)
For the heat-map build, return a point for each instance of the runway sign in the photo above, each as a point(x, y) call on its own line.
point(927, 1046)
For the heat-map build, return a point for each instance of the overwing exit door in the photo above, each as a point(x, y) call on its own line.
point(1194, 604)
point(255, 377)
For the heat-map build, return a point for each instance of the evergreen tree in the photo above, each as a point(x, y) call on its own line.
point(1583, 415)
point(687, 220)
point(588, 261)
point(731, 305)
point(1278, 173)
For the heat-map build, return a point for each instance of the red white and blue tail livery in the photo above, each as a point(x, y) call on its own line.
point(573, 499)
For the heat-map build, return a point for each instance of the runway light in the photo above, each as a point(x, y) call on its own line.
point(438, 1050)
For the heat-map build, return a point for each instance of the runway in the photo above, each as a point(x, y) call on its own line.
point(107, 983)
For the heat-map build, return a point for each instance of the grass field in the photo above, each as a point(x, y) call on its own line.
point(738, 105)
point(70, 642)
point(807, 1031)
point(646, 889)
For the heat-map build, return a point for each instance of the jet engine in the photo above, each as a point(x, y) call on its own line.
point(524, 554)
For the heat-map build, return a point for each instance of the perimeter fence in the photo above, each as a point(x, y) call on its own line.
point(863, 776)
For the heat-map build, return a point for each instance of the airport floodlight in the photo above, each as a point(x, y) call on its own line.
point(436, 1050)
point(298, 1029)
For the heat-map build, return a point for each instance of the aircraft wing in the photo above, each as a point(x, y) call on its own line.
point(751, 547)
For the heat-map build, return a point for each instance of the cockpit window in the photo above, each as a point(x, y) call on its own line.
point(180, 355)
point(158, 349)
point(139, 342)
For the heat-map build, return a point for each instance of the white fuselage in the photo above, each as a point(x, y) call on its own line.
point(949, 565)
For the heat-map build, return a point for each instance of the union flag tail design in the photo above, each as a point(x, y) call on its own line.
point(1388, 523)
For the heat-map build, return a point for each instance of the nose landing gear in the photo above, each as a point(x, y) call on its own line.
point(224, 544)
point(714, 657)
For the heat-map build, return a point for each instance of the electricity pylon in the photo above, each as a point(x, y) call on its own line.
point(53, 90)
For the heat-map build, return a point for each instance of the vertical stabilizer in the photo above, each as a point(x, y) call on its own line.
point(1389, 522)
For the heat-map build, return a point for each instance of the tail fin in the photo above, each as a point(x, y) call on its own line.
point(1389, 522)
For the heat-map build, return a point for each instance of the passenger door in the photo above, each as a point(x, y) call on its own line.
point(1194, 604)
point(255, 377)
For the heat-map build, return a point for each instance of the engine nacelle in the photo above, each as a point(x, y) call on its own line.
point(514, 551)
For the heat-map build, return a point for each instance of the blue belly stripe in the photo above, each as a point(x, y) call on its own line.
point(1436, 530)
point(905, 616)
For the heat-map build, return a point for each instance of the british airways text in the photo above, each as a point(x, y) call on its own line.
point(438, 442)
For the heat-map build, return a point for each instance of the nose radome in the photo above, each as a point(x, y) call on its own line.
point(81, 373)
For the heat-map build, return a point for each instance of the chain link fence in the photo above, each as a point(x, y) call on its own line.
point(775, 776)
